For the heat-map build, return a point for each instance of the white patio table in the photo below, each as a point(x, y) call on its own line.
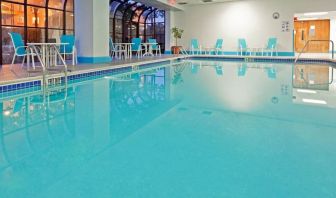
point(127, 46)
point(148, 48)
point(46, 51)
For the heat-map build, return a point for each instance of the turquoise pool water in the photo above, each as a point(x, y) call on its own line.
point(199, 129)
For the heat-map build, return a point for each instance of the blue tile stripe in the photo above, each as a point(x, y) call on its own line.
point(19, 86)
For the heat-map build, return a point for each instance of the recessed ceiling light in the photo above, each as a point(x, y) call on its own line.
point(308, 19)
point(315, 13)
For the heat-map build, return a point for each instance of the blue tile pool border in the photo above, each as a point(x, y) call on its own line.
point(120, 70)
point(18, 86)
point(82, 76)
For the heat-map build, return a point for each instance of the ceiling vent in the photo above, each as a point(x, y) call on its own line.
point(207, 1)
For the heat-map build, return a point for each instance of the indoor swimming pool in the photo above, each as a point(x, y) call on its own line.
point(199, 129)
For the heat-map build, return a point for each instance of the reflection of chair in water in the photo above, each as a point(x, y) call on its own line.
point(271, 73)
point(134, 95)
point(19, 104)
point(34, 131)
point(219, 70)
point(242, 69)
point(124, 91)
point(178, 70)
point(195, 67)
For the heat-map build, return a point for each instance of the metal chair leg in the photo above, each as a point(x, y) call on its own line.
point(23, 60)
point(11, 67)
point(33, 61)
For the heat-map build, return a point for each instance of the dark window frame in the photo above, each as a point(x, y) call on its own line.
point(46, 7)
point(126, 22)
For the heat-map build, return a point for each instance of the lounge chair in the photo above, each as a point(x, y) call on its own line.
point(195, 47)
point(218, 47)
point(21, 50)
point(69, 48)
point(136, 46)
point(271, 47)
point(155, 47)
point(116, 51)
point(242, 47)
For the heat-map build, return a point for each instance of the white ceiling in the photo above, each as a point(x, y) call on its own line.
point(190, 2)
point(329, 15)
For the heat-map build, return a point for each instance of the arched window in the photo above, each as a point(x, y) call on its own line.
point(35, 20)
point(130, 19)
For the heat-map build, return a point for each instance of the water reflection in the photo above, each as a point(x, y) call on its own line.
point(314, 85)
point(316, 77)
point(42, 137)
point(242, 69)
point(255, 88)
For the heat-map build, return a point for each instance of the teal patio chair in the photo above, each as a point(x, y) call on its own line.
point(69, 48)
point(155, 47)
point(136, 46)
point(242, 47)
point(219, 46)
point(195, 47)
point(271, 47)
point(116, 51)
point(20, 50)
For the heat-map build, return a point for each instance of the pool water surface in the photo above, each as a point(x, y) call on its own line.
point(198, 129)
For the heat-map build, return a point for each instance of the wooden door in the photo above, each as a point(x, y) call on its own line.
point(312, 30)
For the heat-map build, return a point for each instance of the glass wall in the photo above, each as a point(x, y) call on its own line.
point(129, 19)
point(35, 20)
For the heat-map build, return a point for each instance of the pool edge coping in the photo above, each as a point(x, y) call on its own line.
point(147, 62)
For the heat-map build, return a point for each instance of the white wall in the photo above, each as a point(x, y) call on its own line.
point(92, 30)
point(333, 30)
point(250, 19)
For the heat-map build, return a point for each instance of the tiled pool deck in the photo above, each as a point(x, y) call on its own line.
point(20, 74)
